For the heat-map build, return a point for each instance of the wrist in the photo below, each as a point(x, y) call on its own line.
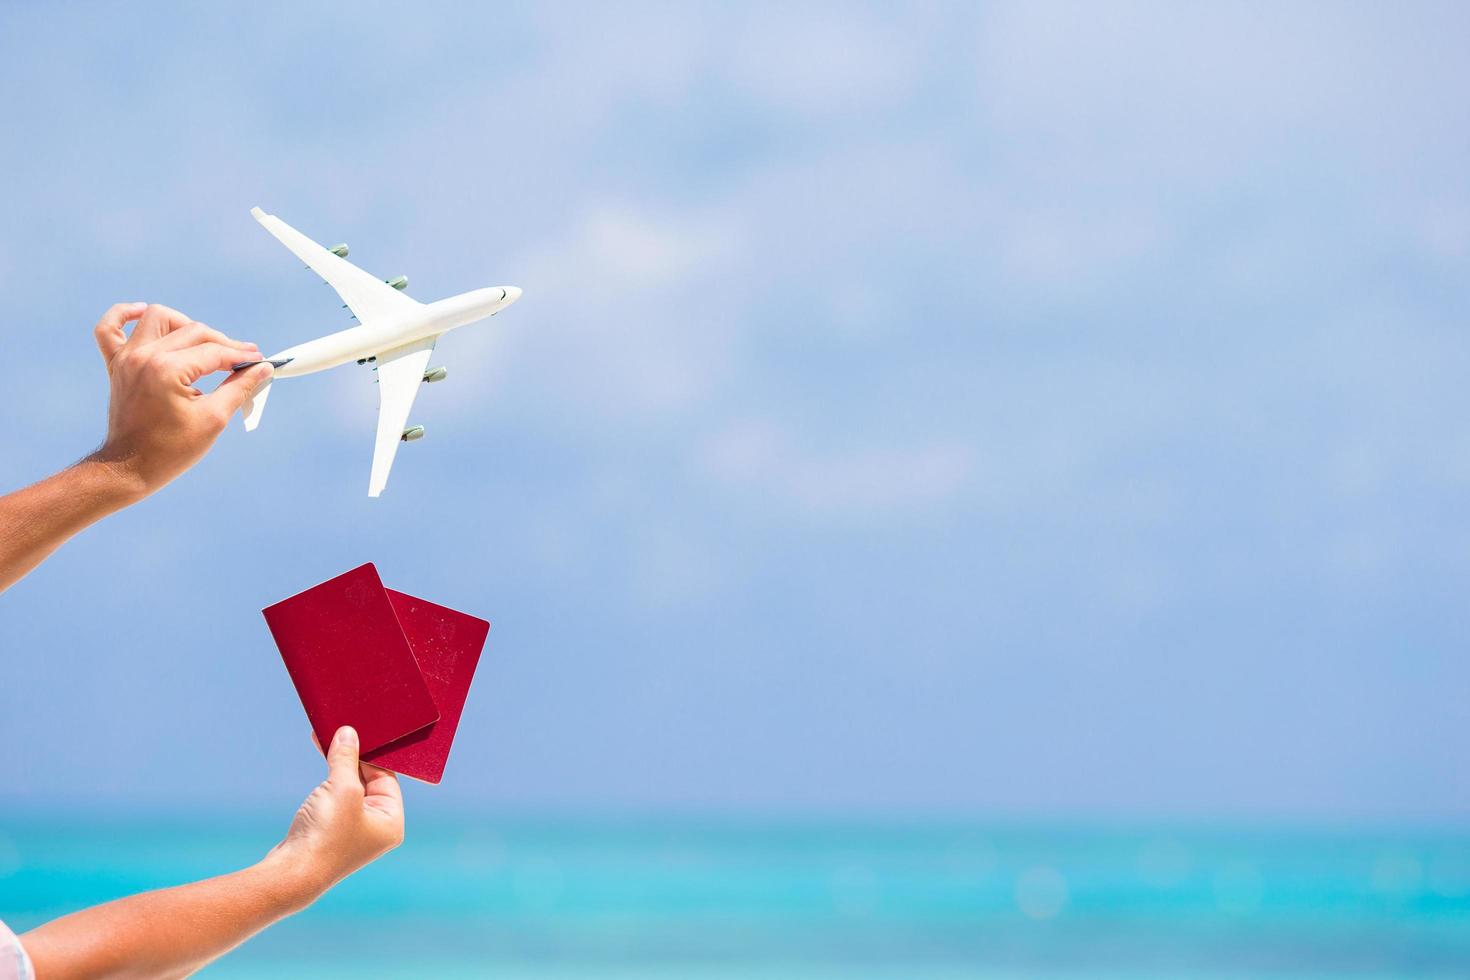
point(114, 482)
point(296, 878)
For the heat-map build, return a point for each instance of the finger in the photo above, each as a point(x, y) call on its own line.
point(195, 362)
point(380, 789)
point(157, 321)
point(199, 333)
point(235, 390)
point(109, 331)
point(342, 758)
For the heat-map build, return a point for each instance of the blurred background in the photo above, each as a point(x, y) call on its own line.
point(970, 490)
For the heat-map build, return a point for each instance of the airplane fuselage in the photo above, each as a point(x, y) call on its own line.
point(372, 339)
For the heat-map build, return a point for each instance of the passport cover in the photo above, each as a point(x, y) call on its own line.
point(350, 661)
point(447, 645)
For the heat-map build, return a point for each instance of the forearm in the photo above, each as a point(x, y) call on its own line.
point(158, 425)
point(173, 932)
point(36, 521)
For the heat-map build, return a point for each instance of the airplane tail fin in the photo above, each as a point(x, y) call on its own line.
point(255, 406)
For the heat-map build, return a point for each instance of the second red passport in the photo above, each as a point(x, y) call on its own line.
point(350, 661)
point(447, 645)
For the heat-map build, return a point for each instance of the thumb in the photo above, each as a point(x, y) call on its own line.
point(342, 758)
point(109, 333)
point(238, 387)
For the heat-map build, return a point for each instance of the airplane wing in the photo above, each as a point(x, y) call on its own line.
point(368, 297)
point(400, 373)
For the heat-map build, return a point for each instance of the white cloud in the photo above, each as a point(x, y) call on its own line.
point(627, 311)
point(815, 62)
point(1445, 229)
point(764, 457)
point(1071, 248)
point(630, 249)
point(1195, 92)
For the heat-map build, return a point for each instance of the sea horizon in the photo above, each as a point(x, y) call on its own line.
point(730, 896)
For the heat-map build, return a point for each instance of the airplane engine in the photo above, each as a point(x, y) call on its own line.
point(412, 433)
point(400, 283)
point(435, 374)
point(339, 250)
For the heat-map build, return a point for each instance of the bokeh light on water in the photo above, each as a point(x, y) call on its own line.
point(615, 899)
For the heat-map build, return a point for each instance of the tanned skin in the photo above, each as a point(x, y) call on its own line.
point(159, 425)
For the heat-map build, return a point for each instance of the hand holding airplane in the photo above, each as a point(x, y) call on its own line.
point(395, 333)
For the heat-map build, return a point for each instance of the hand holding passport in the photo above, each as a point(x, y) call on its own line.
point(394, 667)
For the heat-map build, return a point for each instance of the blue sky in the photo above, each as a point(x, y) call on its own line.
point(1005, 409)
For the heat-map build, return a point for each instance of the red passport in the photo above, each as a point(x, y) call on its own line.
point(447, 646)
point(395, 667)
point(350, 661)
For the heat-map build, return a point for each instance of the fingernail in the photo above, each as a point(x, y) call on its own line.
point(348, 735)
point(138, 305)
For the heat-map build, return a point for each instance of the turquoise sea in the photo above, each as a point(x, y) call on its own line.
point(552, 899)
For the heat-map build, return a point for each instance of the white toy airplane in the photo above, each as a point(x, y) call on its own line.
point(396, 333)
